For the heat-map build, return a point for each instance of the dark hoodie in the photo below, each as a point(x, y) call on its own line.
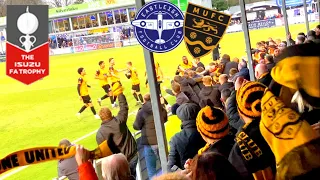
point(228, 65)
point(145, 122)
point(212, 94)
point(185, 144)
point(188, 91)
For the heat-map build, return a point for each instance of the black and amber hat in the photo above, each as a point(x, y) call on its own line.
point(212, 123)
point(249, 99)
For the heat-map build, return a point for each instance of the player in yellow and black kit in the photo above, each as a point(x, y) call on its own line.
point(102, 75)
point(133, 75)
point(83, 91)
point(113, 77)
point(159, 75)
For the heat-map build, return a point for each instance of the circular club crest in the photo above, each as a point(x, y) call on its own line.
point(158, 26)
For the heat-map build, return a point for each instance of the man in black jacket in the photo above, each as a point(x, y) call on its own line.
point(224, 84)
point(115, 128)
point(145, 122)
point(262, 75)
point(184, 145)
point(208, 92)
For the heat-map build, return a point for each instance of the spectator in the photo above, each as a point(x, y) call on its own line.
point(225, 94)
point(304, 83)
point(299, 159)
point(272, 47)
point(213, 166)
point(227, 64)
point(185, 144)
point(262, 57)
point(212, 68)
point(115, 127)
point(232, 110)
point(209, 93)
point(276, 56)
point(212, 124)
point(197, 63)
point(68, 167)
point(176, 91)
point(192, 79)
point(269, 62)
point(116, 167)
point(236, 60)
point(232, 72)
point(262, 74)
point(317, 30)
point(145, 122)
point(248, 164)
point(301, 39)
point(224, 84)
point(278, 41)
point(186, 84)
point(311, 35)
point(243, 71)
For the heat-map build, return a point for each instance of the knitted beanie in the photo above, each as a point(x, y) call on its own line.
point(212, 123)
point(249, 99)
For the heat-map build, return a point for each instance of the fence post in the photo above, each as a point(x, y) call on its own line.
point(247, 38)
point(155, 99)
point(285, 18)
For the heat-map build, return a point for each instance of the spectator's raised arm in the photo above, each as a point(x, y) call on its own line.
point(124, 108)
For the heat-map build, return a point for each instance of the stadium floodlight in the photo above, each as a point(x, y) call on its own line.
point(247, 38)
point(155, 98)
point(306, 15)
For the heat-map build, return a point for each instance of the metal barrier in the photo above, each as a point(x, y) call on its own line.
point(141, 169)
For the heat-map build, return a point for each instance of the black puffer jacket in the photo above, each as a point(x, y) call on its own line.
point(212, 94)
point(145, 122)
point(185, 144)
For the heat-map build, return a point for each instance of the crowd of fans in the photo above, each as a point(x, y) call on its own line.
point(82, 39)
point(238, 21)
point(233, 127)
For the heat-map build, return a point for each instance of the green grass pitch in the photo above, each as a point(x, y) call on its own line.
point(43, 113)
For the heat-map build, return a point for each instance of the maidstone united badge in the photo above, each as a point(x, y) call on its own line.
point(203, 29)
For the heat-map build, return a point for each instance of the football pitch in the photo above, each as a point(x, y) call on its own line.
point(43, 113)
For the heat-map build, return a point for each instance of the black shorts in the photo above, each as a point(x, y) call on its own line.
point(106, 88)
point(136, 87)
point(86, 99)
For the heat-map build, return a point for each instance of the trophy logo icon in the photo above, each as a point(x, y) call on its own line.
point(27, 24)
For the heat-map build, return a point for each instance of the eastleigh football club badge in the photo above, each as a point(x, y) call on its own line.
point(203, 29)
point(159, 26)
point(27, 42)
